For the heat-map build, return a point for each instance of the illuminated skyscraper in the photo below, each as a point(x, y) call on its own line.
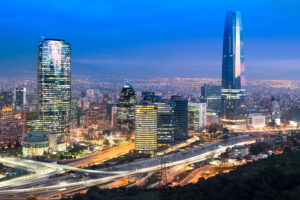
point(54, 85)
point(233, 78)
point(233, 52)
point(145, 127)
point(125, 112)
point(165, 123)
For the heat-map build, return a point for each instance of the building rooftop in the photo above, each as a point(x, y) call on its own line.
point(241, 147)
point(127, 85)
point(54, 39)
point(37, 136)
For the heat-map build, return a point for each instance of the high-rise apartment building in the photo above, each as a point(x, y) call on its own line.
point(145, 127)
point(54, 85)
point(233, 78)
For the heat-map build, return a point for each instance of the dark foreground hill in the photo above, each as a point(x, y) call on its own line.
point(274, 178)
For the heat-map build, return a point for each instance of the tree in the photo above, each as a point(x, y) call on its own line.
point(31, 197)
point(46, 154)
point(106, 142)
point(224, 157)
point(3, 150)
point(287, 150)
point(18, 145)
point(225, 131)
point(213, 128)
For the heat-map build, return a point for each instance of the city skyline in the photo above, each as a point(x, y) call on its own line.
point(123, 127)
point(162, 40)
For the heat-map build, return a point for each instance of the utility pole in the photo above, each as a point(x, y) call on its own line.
point(163, 172)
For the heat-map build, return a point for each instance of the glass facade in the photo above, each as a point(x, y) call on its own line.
point(180, 107)
point(233, 68)
point(197, 116)
point(6, 98)
point(211, 95)
point(233, 104)
point(20, 96)
point(233, 77)
point(145, 127)
point(165, 123)
point(54, 85)
point(125, 108)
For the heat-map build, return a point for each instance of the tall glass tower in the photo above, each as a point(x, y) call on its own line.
point(125, 108)
point(180, 107)
point(233, 78)
point(54, 85)
point(233, 52)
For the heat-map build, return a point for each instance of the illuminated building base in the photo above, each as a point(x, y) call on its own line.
point(234, 124)
point(144, 152)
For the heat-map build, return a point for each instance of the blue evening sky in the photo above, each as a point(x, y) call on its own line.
point(161, 38)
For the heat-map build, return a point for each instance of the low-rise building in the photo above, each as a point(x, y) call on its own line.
point(36, 143)
point(242, 150)
point(256, 121)
point(6, 112)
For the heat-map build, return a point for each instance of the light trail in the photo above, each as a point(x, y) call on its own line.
point(88, 183)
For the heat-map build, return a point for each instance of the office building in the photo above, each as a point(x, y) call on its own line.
point(275, 112)
point(165, 123)
point(150, 96)
point(74, 114)
point(145, 127)
point(20, 96)
point(196, 116)
point(125, 106)
point(32, 121)
point(54, 85)
point(180, 107)
point(6, 112)
point(6, 98)
point(211, 95)
point(233, 78)
point(95, 115)
point(113, 117)
point(256, 120)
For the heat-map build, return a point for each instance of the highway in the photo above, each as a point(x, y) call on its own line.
point(102, 156)
point(186, 157)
